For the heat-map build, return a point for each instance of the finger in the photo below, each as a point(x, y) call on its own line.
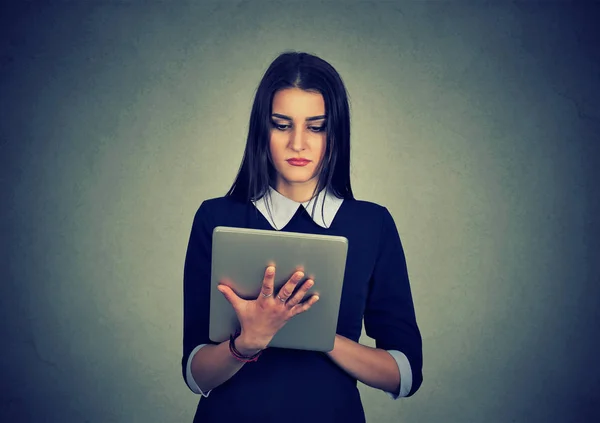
point(288, 289)
point(299, 295)
point(268, 282)
point(301, 308)
point(230, 295)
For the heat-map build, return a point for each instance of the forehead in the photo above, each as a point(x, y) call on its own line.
point(298, 103)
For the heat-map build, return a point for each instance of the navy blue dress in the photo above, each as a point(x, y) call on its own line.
point(287, 385)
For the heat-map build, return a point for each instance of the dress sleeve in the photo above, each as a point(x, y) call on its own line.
point(390, 314)
point(196, 286)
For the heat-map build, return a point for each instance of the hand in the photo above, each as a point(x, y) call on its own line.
point(262, 318)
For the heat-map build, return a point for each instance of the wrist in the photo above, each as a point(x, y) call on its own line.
point(246, 347)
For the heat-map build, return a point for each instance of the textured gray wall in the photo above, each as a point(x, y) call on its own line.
point(477, 124)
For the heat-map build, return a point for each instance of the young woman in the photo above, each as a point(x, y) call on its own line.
point(295, 176)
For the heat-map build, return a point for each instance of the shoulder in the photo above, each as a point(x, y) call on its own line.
point(367, 211)
point(217, 209)
point(219, 204)
point(374, 218)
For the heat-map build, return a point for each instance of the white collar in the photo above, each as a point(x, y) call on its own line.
point(283, 209)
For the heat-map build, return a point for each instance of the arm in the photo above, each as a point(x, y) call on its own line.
point(213, 365)
point(372, 366)
point(396, 364)
point(210, 365)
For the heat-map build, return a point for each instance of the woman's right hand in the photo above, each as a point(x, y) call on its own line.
point(262, 318)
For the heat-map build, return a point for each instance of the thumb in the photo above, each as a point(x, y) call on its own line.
point(229, 295)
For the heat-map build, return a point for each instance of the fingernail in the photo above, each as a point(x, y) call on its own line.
point(270, 270)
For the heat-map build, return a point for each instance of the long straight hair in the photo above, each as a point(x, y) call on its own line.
point(310, 73)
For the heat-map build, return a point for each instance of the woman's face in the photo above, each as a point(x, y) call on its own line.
point(298, 138)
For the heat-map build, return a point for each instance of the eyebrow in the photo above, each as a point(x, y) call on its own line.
point(308, 119)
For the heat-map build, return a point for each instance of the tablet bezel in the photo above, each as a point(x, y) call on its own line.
point(242, 255)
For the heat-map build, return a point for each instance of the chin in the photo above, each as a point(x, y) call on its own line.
point(295, 179)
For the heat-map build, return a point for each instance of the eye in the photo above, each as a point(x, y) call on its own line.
point(317, 128)
point(279, 126)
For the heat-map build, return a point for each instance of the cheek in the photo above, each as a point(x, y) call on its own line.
point(322, 146)
point(274, 147)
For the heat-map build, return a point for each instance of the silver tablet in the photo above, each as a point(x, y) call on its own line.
point(242, 255)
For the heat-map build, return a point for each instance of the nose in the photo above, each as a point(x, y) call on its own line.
point(297, 140)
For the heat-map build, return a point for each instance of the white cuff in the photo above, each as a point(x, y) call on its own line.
point(188, 373)
point(405, 374)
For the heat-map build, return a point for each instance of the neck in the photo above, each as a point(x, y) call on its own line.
point(300, 193)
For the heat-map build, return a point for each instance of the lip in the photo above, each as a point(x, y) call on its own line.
point(298, 162)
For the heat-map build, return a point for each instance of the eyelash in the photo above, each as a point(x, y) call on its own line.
point(283, 127)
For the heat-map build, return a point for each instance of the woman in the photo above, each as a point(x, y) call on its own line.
point(295, 176)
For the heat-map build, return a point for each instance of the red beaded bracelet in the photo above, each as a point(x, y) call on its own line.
point(238, 355)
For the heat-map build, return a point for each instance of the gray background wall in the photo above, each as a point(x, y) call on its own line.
point(477, 124)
